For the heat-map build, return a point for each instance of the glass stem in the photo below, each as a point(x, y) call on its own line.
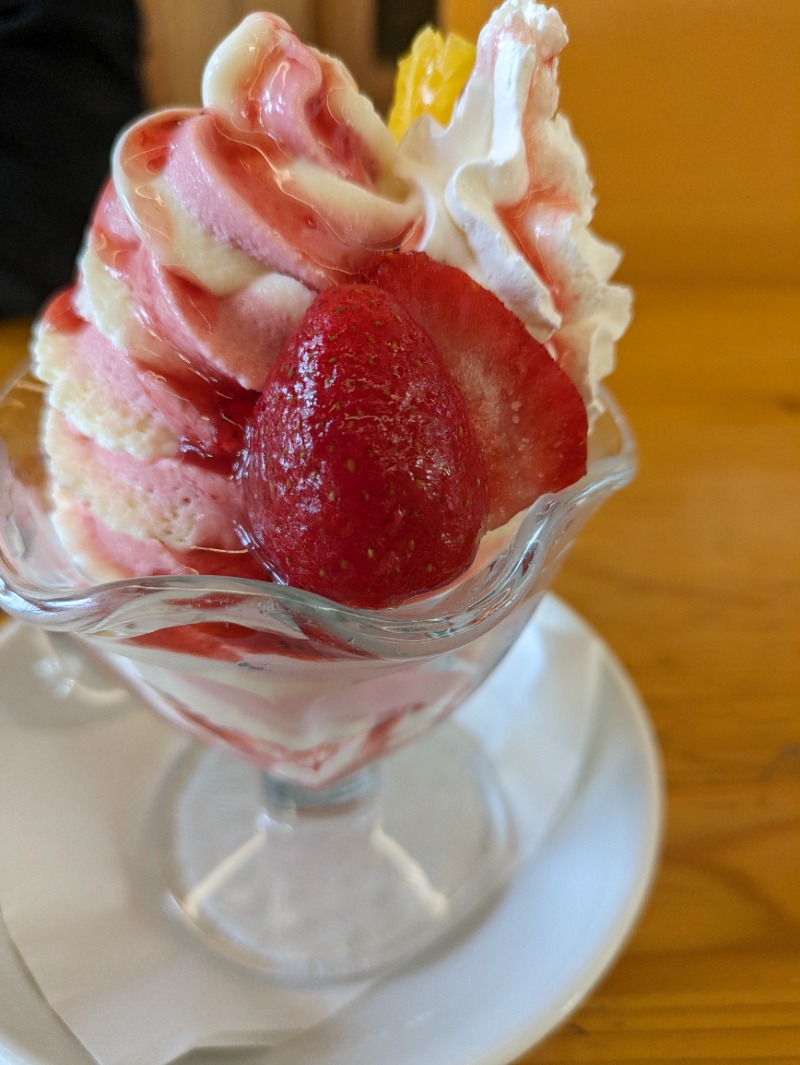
point(285, 796)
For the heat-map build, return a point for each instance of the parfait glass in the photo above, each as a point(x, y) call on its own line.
point(323, 827)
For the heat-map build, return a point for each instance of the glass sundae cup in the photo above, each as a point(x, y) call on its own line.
point(323, 827)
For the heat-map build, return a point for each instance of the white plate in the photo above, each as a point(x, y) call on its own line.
point(505, 983)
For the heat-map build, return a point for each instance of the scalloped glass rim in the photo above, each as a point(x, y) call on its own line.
point(442, 621)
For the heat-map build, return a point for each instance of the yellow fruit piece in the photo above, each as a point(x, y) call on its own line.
point(430, 79)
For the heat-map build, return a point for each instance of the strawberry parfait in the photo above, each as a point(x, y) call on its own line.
point(314, 371)
point(321, 414)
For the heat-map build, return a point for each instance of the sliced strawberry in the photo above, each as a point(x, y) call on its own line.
point(362, 475)
point(529, 418)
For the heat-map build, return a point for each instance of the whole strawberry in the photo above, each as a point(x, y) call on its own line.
point(362, 475)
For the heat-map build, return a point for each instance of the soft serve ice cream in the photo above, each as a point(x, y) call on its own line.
point(221, 225)
point(218, 228)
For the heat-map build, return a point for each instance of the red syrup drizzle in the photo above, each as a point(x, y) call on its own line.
point(515, 217)
point(264, 753)
point(266, 94)
point(228, 641)
point(60, 314)
point(341, 143)
point(147, 147)
point(227, 407)
point(223, 641)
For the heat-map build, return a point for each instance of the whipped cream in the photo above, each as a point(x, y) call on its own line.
point(508, 199)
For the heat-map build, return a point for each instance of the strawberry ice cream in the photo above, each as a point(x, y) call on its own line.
point(217, 230)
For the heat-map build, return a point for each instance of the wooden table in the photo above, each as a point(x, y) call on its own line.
point(692, 575)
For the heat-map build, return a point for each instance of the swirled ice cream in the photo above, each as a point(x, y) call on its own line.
point(219, 227)
point(216, 231)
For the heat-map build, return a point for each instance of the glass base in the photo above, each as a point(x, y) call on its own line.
point(342, 883)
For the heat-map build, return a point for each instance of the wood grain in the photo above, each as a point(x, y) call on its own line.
point(693, 576)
